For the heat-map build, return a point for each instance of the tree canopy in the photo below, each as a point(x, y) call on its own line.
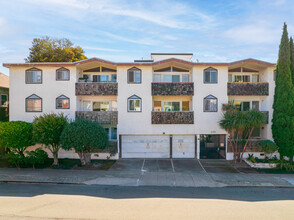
point(48, 49)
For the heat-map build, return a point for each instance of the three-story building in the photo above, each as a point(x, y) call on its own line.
point(166, 107)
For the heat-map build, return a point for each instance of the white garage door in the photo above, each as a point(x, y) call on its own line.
point(183, 146)
point(145, 147)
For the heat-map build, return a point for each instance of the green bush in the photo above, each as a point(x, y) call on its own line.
point(36, 157)
point(47, 131)
point(16, 159)
point(84, 137)
point(16, 136)
point(268, 146)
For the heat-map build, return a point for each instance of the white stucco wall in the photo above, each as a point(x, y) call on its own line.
point(49, 90)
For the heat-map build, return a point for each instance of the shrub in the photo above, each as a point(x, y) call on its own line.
point(16, 136)
point(36, 157)
point(268, 146)
point(16, 159)
point(84, 137)
point(47, 131)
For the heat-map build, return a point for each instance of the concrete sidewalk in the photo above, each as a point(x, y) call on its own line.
point(139, 175)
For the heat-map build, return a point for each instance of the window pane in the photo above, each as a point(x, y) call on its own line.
point(246, 78)
point(33, 76)
point(156, 78)
point(167, 106)
point(238, 105)
point(131, 76)
point(245, 106)
point(255, 78)
point(4, 100)
point(255, 105)
point(34, 105)
point(207, 77)
point(131, 105)
point(157, 106)
point(137, 76)
point(176, 78)
point(62, 75)
point(87, 106)
point(210, 105)
point(114, 133)
point(185, 78)
point(230, 78)
point(185, 105)
point(104, 78)
point(167, 78)
point(206, 105)
point(114, 106)
point(238, 78)
point(113, 77)
point(213, 77)
point(100, 106)
point(59, 103)
point(176, 106)
point(137, 105)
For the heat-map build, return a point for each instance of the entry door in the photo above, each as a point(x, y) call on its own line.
point(145, 146)
point(183, 146)
point(212, 146)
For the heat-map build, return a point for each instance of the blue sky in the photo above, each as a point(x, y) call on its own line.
point(124, 30)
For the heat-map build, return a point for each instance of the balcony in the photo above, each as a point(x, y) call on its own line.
point(173, 89)
point(100, 117)
point(172, 117)
point(96, 88)
point(248, 89)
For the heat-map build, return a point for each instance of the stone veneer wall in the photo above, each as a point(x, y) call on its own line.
point(100, 117)
point(94, 88)
point(172, 89)
point(245, 89)
point(253, 146)
point(172, 117)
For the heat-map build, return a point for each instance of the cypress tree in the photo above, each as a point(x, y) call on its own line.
point(292, 58)
point(282, 123)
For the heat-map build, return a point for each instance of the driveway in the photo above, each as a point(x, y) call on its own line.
point(174, 166)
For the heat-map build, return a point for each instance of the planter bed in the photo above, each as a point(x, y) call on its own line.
point(261, 165)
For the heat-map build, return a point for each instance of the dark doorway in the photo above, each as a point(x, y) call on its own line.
point(213, 146)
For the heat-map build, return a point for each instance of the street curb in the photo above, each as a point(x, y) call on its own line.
point(39, 182)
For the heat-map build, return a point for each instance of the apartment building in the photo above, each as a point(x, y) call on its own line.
point(4, 97)
point(165, 107)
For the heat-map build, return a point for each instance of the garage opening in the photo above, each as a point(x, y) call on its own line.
point(213, 146)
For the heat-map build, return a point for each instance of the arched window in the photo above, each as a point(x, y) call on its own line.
point(134, 75)
point(210, 104)
point(33, 103)
point(62, 102)
point(33, 76)
point(134, 104)
point(62, 74)
point(210, 75)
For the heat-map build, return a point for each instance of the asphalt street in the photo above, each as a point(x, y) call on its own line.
point(63, 201)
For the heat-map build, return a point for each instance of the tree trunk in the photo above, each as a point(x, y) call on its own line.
point(82, 159)
point(55, 158)
point(244, 148)
point(87, 157)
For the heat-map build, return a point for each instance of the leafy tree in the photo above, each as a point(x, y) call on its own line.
point(48, 49)
point(84, 137)
point(240, 126)
point(269, 147)
point(282, 122)
point(16, 136)
point(36, 157)
point(47, 131)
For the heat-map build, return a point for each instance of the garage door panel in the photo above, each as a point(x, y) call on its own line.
point(145, 147)
point(183, 147)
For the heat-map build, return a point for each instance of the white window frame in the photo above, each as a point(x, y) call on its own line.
point(64, 77)
point(134, 98)
point(210, 97)
point(6, 105)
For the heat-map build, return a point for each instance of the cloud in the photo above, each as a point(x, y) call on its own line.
point(101, 49)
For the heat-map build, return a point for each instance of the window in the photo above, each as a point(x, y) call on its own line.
point(210, 75)
point(62, 74)
point(134, 104)
point(101, 106)
point(114, 106)
point(210, 104)
point(157, 106)
point(171, 106)
point(87, 106)
point(255, 105)
point(185, 106)
point(134, 75)
point(34, 76)
point(33, 103)
point(4, 100)
point(100, 78)
point(62, 102)
point(171, 78)
point(247, 105)
point(113, 135)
